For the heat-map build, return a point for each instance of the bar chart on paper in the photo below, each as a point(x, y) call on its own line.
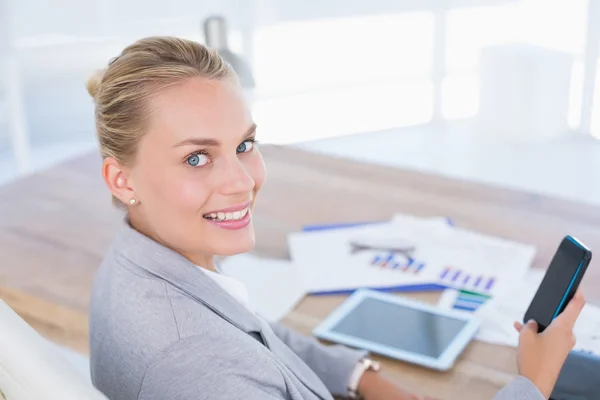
point(459, 279)
point(398, 261)
point(464, 300)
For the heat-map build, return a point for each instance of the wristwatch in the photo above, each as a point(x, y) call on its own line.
point(364, 364)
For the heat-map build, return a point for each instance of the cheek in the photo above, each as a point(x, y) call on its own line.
point(173, 192)
point(189, 190)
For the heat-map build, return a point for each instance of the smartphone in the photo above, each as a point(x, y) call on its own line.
point(560, 282)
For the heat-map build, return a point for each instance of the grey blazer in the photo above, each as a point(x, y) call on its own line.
point(161, 329)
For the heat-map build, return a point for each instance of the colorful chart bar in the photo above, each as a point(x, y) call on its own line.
point(397, 262)
point(458, 278)
point(469, 301)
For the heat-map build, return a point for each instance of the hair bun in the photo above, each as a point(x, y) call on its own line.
point(94, 81)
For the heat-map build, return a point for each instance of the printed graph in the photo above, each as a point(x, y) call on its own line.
point(397, 261)
point(468, 301)
point(466, 280)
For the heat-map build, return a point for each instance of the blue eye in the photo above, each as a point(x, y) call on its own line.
point(246, 146)
point(198, 159)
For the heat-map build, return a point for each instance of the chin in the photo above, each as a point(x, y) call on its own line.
point(234, 247)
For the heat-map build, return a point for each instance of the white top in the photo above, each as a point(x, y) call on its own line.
point(231, 285)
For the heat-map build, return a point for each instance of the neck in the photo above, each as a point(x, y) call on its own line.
point(206, 261)
point(202, 260)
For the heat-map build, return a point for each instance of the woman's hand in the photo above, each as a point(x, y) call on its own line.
point(540, 357)
point(375, 386)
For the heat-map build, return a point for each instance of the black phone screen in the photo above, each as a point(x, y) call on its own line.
point(560, 282)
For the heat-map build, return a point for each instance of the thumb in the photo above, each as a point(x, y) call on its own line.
point(530, 327)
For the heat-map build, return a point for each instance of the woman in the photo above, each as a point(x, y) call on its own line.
point(180, 156)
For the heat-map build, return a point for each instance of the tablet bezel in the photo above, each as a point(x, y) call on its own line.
point(444, 362)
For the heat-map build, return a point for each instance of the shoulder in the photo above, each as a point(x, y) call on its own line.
point(199, 367)
point(124, 297)
point(131, 321)
point(138, 320)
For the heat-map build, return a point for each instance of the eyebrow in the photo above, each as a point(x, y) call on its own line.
point(213, 142)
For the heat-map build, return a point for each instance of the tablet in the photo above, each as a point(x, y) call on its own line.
point(400, 328)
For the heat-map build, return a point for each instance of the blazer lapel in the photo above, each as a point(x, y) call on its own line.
point(172, 267)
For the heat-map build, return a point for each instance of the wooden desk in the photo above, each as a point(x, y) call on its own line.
point(56, 225)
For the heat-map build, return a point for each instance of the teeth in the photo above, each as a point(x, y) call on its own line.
point(229, 216)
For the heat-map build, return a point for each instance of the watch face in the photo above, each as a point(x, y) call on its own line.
point(371, 364)
point(375, 366)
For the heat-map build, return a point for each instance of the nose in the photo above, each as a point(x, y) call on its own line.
point(236, 178)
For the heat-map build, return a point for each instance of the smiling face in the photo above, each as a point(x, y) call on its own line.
point(197, 172)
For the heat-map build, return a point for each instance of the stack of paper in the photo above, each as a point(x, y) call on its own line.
point(408, 251)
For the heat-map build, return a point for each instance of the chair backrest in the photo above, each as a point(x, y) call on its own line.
point(33, 368)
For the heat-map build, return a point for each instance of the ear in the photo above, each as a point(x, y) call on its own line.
point(116, 179)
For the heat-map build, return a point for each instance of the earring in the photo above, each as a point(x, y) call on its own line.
point(132, 202)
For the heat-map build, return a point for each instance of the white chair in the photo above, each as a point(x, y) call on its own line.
point(32, 368)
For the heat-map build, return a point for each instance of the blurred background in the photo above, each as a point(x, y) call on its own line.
point(497, 91)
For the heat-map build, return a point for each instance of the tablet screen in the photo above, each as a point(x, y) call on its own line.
point(400, 327)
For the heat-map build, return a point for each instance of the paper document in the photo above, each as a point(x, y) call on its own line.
point(409, 251)
point(498, 315)
point(350, 258)
point(275, 286)
point(465, 259)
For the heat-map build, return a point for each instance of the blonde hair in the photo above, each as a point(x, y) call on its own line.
point(121, 92)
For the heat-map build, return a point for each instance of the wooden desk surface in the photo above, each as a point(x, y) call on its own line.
point(56, 225)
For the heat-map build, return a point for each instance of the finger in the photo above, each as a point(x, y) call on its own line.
point(530, 327)
point(518, 326)
point(569, 316)
point(579, 294)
